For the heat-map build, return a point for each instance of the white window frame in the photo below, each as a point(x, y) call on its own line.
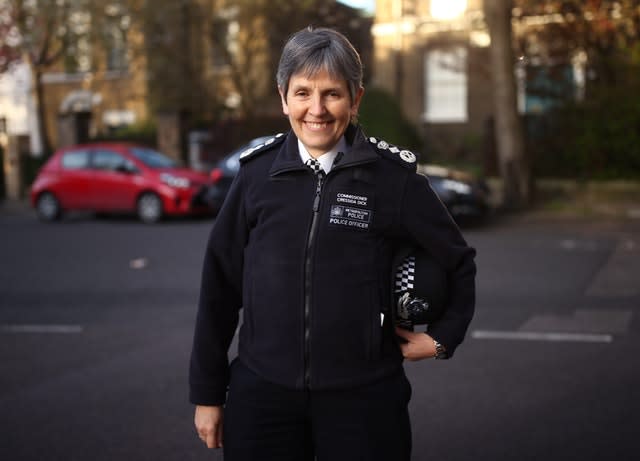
point(446, 85)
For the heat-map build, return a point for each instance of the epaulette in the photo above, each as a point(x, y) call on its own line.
point(253, 151)
point(405, 157)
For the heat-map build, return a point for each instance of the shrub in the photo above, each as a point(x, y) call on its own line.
point(380, 114)
point(144, 132)
point(30, 167)
point(598, 138)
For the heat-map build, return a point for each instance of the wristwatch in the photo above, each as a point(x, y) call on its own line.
point(441, 352)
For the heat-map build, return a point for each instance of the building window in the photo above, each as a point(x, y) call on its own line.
point(444, 10)
point(78, 56)
point(115, 27)
point(76, 36)
point(224, 37)
point(446, 85)
point(116, 49)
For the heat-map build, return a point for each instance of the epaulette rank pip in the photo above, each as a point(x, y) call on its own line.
point(253, 151)
point(408, 158)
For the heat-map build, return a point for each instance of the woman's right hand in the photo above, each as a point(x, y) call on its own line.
point(208, 421)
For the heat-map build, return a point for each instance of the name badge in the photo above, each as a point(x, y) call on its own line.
point(351, 211)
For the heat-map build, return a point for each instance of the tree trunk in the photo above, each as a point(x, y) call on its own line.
point(41, 112)
point(513, 165)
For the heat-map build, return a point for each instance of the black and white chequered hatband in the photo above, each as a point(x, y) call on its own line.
point(405, 276)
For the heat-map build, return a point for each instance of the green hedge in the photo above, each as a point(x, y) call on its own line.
point(596, 139)
point(144, 132)
point(30, 167)
point(380, 115)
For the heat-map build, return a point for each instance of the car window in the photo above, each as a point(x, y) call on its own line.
point(108, 160)
point(75, 160)
point(153, 158)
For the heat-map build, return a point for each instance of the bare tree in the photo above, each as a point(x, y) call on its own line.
point(249, 35)
point(584, 58)
point(40, 36)
point(603, 31)
point(48, 35)
point(9, 37)
point(513, 165)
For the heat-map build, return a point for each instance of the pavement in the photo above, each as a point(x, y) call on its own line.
point(15, 207)
point(578, 200)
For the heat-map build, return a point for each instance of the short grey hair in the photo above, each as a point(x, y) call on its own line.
point(312, 50)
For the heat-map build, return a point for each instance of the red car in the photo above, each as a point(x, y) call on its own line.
point(117, 177)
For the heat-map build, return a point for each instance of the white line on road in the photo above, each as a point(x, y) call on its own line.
point(56, 329)
point(541, 336)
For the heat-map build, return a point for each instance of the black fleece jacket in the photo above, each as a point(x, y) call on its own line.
point(310, 263)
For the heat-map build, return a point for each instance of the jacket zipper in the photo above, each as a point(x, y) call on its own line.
point(308, 269)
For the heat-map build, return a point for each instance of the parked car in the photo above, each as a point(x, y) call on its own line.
point(464, 196)
point(221, 176)
point(117, 177)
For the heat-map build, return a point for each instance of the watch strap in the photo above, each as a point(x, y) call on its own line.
point(441, 352)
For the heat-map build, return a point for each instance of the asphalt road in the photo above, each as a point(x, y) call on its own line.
point(96, 319)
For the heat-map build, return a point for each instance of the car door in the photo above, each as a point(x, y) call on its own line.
point(115, 178)
point(74, 179)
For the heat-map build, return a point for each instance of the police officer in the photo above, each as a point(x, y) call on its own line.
point(304, 243)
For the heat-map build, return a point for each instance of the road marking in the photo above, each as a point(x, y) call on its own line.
point(55, 329)
point(579, 245)
point(542, 336)
point(582, 321)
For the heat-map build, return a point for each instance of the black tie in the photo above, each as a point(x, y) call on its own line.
point(315, 167)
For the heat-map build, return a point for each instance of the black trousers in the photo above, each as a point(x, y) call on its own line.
point(265, 422)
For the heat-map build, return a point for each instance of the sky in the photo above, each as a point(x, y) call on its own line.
point(369, 5)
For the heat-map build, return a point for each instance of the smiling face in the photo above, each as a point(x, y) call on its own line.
point(319, 108)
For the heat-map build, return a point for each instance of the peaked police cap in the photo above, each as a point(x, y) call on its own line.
point(420, 290)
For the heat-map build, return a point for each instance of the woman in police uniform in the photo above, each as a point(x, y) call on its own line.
point(305, 243)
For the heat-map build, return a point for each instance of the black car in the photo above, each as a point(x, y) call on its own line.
point(465, 197)
point(223, 173)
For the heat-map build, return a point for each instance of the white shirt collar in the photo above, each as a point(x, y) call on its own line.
point(326, 159)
